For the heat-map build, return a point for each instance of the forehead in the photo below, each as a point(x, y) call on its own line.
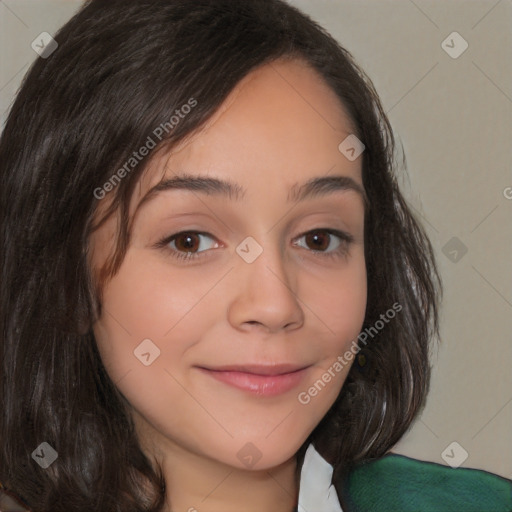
point(281, 125)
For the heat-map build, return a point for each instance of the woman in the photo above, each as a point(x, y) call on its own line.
point(262, 371)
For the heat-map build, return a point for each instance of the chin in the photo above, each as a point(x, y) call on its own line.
point(264, 454)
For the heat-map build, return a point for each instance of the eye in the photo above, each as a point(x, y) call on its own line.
point(187, 244)
point(321, 238)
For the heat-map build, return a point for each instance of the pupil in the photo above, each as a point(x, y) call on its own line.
point(318, 237)
point(189, 241)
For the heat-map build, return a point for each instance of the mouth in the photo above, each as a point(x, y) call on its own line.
point(262, 380)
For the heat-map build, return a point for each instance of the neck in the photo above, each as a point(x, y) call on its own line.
point(198, 484)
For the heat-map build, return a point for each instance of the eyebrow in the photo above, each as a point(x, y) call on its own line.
point(315, 187)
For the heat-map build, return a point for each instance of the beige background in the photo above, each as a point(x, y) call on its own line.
point(454, 118)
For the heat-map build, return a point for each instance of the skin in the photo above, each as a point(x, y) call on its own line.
point(281, 125)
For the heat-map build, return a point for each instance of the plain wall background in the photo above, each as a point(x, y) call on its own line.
point(454, 119)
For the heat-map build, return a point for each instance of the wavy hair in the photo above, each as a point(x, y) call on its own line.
point(121, 69)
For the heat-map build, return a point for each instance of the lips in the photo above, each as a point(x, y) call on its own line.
point(259, 369)
point(262, 380)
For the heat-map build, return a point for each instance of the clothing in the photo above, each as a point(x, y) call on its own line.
point(316, 493)
point(395, 483)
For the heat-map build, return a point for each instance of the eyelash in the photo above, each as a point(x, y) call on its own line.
point(345, 241)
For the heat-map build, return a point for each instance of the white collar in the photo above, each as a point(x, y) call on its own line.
point(316, 493)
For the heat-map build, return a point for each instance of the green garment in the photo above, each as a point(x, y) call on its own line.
point(395, 483)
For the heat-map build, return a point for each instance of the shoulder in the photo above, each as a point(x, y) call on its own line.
point(402, 484)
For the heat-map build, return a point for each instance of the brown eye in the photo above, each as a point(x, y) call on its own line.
point(319, 240)
point(187, 245)
point(186, 242)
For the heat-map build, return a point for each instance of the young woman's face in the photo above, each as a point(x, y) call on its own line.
point(231, 354)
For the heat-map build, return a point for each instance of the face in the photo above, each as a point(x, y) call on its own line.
point(224, 324)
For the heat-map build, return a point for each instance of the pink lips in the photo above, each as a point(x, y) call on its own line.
point(259, 379)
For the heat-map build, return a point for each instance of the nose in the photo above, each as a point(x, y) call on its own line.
point(265, 295)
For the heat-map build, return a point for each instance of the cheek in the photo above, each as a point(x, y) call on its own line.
point(139, 305)
point(339, 302)
point(148, 325)
point(339, 305)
